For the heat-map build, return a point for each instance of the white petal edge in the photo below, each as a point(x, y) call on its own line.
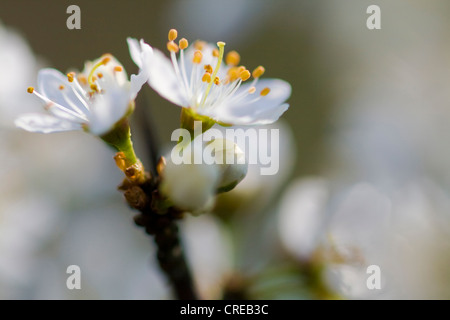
point(162, 79)
point(140, 52)
point(42, 123)
point(265, 110)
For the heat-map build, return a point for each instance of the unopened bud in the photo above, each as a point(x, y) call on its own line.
point(231, 162)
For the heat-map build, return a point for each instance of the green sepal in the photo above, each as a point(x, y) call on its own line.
point(189, 116)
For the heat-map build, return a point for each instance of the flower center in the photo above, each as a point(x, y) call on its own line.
point(91, 78)
point(216, 85)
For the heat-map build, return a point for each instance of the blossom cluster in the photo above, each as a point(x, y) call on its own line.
point(210, 86)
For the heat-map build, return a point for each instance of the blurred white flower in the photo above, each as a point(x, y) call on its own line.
point(391, 106)
point(206, 86)
point(403, 232)
point(209, 251)
point(95, 100)
point(37, 190)
point(116, 259)
point(27, 224)
point(256, 191)
point(18, 66)
point(301, 216)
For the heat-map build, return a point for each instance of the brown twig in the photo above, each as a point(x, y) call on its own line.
point(170, 253)
point(159, 221)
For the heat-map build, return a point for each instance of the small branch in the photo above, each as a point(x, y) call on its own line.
point(147, 125)
point(170, 253)
point(159, 222)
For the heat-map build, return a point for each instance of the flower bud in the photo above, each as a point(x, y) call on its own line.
point(230, 160)
point(195, 172)
point(190, 186)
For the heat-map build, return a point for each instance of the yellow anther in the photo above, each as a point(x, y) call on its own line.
point(100, 75)
point(172, 46)
point(208, 68)
point(233, 74)
point(265, 92)
point(216, 81)
point(82, 79)
point(70, 76)
point(106, 59)
point(252, 90)
point(30, 90)
point(183, 43)
point(244, 75)
point(94, 87)
point(198, 56)
point(215, 53)
point(94, 78)
point(173, 34)
point(61, 87)
point(206, 77)
point(258, 72)
point(233, 58)
point(199, 45)
point(118, 68)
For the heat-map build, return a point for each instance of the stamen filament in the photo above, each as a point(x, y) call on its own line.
point(183, 70)
point(71, 103)
point(193, 78)
point(221, 46)
point(83, 102)
point(243, 94)
point(62, 108)
point(80, 88)
point(177, 70)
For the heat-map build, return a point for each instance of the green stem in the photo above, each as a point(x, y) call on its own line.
point(119, 139)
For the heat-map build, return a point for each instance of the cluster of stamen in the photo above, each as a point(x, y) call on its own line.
point(201, 95)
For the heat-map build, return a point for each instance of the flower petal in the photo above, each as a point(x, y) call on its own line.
point(254, 109)
point(42, 123)
point(57, 88)
point(107, 110)
point(162, 79)
point(264, 117)
point(139, 52)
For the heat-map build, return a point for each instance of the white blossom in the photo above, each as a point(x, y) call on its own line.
point(208, 83)
point(94, 100)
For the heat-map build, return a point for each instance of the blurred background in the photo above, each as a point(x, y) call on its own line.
point(365, 166)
